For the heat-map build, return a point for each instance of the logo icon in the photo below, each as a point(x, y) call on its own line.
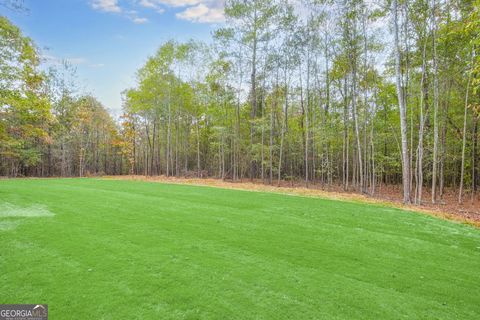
point(23, 312)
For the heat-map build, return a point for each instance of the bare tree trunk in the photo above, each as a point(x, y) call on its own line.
point(236, 140)
point(359, 166)
point(149, 148)
point(419, 162)
point(402, 107)
point(169, 138)
point(372, 143)
point(263, 104)
point(177, 131)
point(80, 165)
point(435, 105)
point(134, 168)
point(407, 88)
point(272, 109)
point(284, 128)
point(474, 154)
point(254, 94)
point(63, 167)
point(373, 181)
point(365, 112)
point(307, 126)
point(198, 149)
point(225, 123)
point(186, 146)
point(443, 143)
point(345, 137)
point(464, 139)
point(152, 159)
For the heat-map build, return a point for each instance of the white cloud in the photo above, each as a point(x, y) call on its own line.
point(200, 11)
point(73, 61)
point(148, 4)
point(97, 65)
point(76, 61)
point(106, 5)
point(113, 7)
point(56, 61)
point(139, 20)
point(169, 3)
point(203, 14)
point(132, 15)
point(152, 4)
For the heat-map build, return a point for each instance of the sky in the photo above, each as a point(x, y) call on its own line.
point(107, 41)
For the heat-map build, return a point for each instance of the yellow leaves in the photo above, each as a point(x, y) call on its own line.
point(48, 140)
point(29, 53)
point(27, 117)
point(475, 108)
point(476, 75)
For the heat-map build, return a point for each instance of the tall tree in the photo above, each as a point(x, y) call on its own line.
point(401, 105)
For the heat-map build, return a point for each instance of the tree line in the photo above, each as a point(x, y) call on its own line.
point(45, 128)
point(347, 93)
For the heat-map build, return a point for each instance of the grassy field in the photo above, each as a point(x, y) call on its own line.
point(102, 249)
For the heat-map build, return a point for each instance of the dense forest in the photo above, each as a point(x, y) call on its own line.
point(354, 93)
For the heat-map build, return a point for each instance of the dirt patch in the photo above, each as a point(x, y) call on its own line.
point(446, 208)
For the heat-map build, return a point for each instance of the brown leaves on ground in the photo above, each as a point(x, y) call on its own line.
point(446, 207)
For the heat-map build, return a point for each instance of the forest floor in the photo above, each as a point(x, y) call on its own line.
point(98, 248)
point(446, 207)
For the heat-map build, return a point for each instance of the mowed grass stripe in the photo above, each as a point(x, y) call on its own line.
point(150, 251)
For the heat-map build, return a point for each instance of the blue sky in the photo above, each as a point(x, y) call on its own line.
point(108, 40)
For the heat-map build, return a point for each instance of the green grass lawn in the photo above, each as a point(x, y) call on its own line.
point(104, 249)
